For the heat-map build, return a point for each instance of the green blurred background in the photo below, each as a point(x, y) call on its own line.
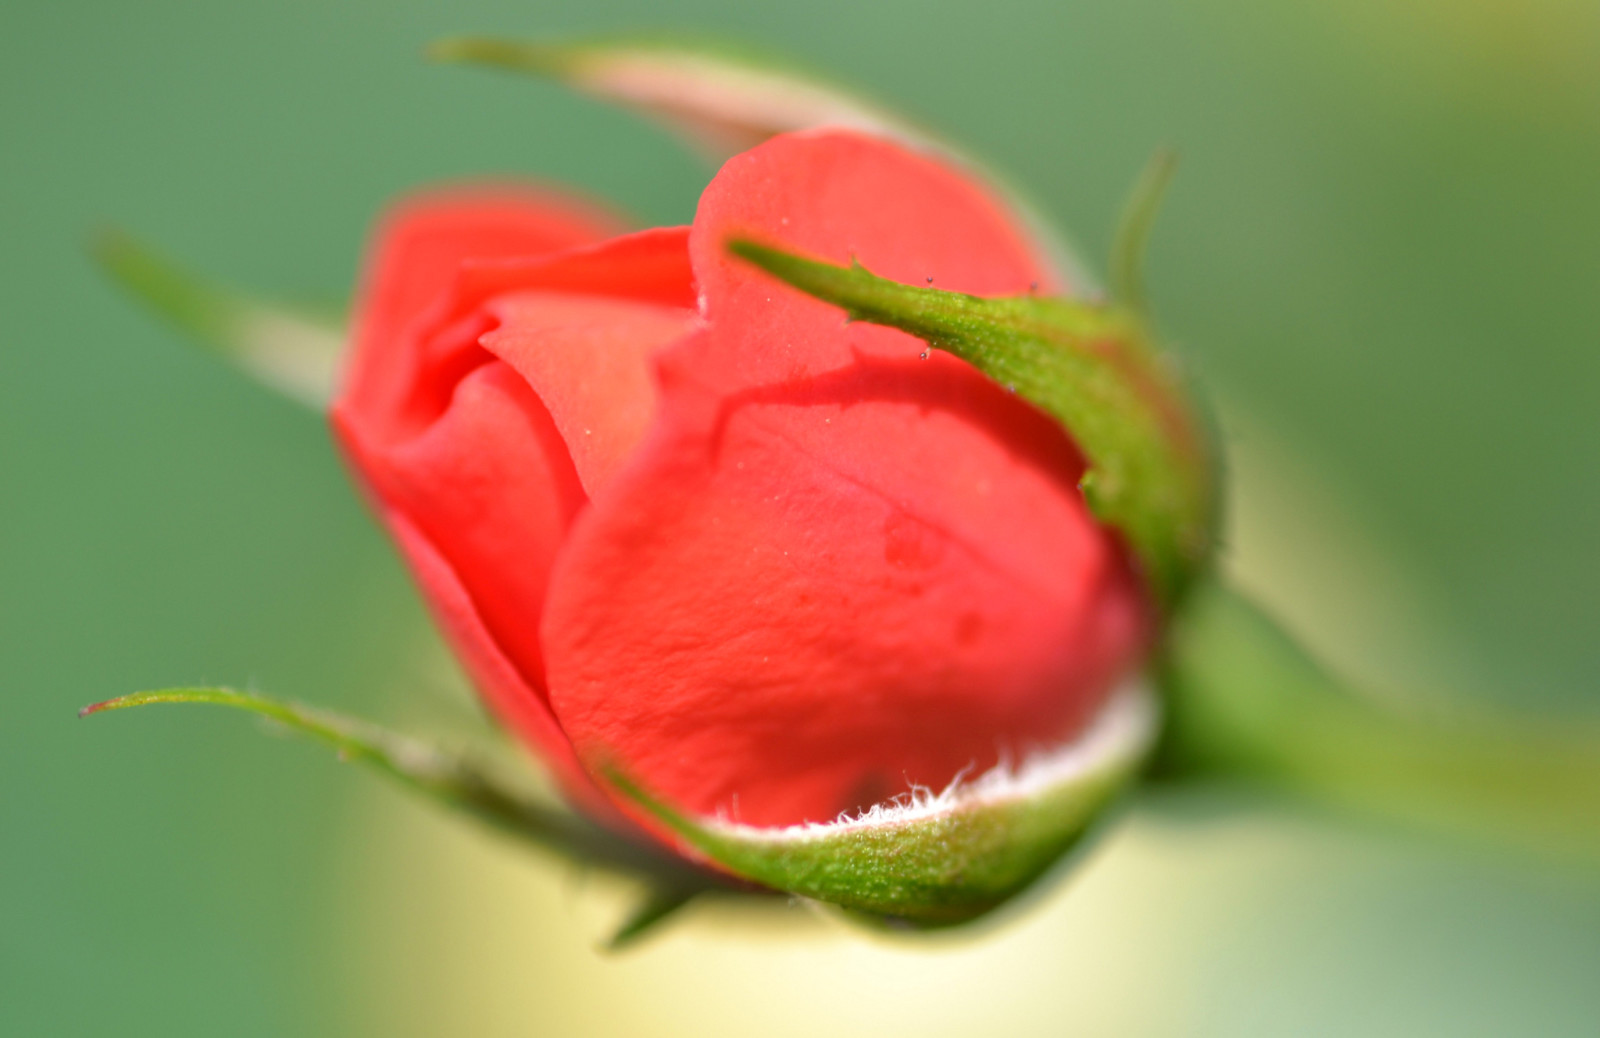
point(1383, 251)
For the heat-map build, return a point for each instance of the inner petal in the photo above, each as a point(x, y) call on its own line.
point(587, 357)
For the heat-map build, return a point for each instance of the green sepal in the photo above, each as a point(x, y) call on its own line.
point(658, 905)
point(724, 98)
point(1133, 230)
point(936, 861)
point(293, 350)
point(1092, 367)
point(458, 782)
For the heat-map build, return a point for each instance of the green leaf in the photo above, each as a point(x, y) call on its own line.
point(1092, 368)
point(937, 860)
point(293, 350)
point(455, 782)
point(1245, 701)
point(725, 98)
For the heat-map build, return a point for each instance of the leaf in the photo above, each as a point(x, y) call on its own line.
point(1091, 367)
point(725, 98)
point(1245, 701)
point(294, 351)
point(937, 860)
point(453, 781)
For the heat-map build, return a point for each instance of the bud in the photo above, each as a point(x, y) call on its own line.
point(781, 590)
point(799, 598)
point(858, 608)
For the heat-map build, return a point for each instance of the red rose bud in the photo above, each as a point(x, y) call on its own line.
point(797, 594)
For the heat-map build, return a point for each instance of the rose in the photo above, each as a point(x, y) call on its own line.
point(732, 564)
point(685, 524)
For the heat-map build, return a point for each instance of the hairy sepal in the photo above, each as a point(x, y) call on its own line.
point(937, 859)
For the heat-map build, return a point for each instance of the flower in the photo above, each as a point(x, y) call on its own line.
point(685, 524)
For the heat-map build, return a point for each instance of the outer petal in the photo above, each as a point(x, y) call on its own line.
point(835, 570)
point(414, 260)
point(461, 456)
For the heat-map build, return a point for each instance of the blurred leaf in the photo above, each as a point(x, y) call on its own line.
point(1151, 473)
point(938, 860)
point(454, 781)
point(1245, 701)
point(724, 98)
point(293, 350)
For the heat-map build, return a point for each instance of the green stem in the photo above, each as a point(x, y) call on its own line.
point(1246, 702)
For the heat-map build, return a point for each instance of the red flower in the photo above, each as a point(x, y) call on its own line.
point(681, 519)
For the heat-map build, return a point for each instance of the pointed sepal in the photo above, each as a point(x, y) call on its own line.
point(933, 860)
point(724, 98)
point(456, 781)
point(1133, 230)
point(658, 905)
point(1092, 367)
point(293, 350)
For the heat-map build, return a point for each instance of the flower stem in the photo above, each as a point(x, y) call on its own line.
point(1246, 702)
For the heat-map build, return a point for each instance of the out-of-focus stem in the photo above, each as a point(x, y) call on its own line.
point(1246, 702)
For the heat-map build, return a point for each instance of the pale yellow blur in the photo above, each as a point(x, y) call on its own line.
point(449, 930)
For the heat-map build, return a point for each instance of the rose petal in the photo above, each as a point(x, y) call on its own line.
point(835, 570)
point(647, 266)
point(840, 196)
point(414, 259)
point(489, 488)
point(489, 477)
point(581, 326)
point(519, 706)
point(587, 359)
point(459, 454)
